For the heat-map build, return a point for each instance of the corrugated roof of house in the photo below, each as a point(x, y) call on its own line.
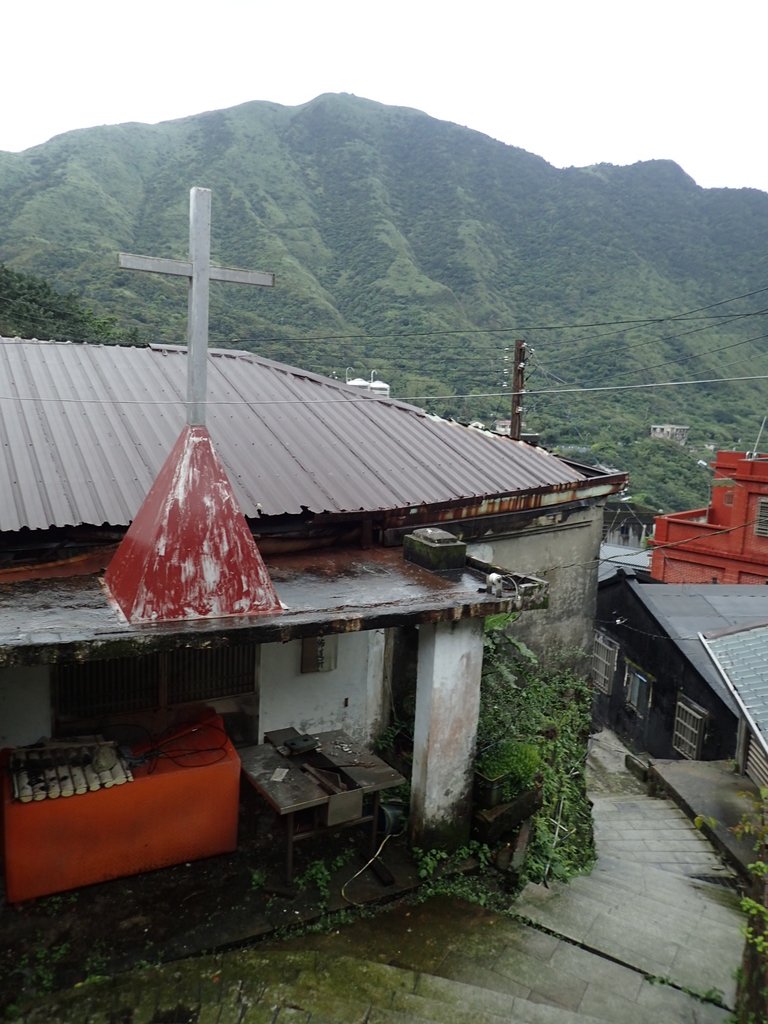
point(616, 556)
point(683, 610)
point(743, 657)
point(84, 430)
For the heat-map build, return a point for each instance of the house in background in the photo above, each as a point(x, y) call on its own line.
point(727, 542)
point(613, 557)
point(330, 482)
point(627, 525)
point(741, 658)
point(655, 684)
point(670, 432)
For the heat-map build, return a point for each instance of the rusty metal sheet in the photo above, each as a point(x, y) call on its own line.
point(53, 620)
point(86, 428)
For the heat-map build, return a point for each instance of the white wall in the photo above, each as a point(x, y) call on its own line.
point(350, 697)
point(562, 549)
point(25, 705)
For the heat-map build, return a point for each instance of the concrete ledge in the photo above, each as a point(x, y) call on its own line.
point(712, 790)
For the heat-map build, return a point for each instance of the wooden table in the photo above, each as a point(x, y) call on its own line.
point(289, 788)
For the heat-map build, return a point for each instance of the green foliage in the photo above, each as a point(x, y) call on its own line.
point(428, 860)
point(258, 878)
point(461, 874)
point(524, 705)
point(318, 874)
point(417, 248)
point(516, 763)
point(752, 996)
point(30, 308)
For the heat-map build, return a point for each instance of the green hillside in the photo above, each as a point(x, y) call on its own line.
point(421, 250)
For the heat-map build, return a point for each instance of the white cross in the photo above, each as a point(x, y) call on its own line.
point(199, 273)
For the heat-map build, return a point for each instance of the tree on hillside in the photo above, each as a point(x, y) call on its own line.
point(31, 308)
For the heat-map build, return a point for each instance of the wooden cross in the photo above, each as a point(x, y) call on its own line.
point(199, 273)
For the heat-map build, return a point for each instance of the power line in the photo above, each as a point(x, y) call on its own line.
point(371, 398)
point(632, 323)
point(623, 387)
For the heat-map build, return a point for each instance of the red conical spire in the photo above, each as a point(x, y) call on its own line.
point(189, 554)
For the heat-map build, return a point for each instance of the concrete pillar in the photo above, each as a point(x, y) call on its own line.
point(447, 707)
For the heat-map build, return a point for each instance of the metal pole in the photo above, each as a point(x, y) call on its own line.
point(197, 328)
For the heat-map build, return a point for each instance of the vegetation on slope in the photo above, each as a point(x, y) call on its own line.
point(31, 308)
point(421, 250)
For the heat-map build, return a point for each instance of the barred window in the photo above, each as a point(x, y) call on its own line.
point(761, 520)
point(95, 689)
point(688, 734)
point(604, 656)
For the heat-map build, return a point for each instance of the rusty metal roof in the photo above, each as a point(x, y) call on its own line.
point(84, 430)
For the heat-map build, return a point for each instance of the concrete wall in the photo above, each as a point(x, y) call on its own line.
point(444, 732)
point(25, 705)
point(561, 547)
point(351, 697)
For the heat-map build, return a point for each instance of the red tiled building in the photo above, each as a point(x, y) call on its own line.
point(727, 542)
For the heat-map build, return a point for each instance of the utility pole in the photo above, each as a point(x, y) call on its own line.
point(518, 389)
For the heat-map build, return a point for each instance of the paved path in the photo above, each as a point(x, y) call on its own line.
point(577, 954)
point(659, 901)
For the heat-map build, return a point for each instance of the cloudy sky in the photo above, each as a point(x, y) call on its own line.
point(575, 81)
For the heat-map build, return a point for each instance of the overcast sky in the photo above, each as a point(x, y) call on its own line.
point(575, 81)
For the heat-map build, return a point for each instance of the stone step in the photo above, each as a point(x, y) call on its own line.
point(649, 830)
point(522, 976)
point(430, 997)
point(691, 920)
point(652, 942)
point(501, 955)
point(720, 902)
point(564, 973)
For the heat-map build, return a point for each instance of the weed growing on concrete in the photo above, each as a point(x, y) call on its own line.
point(548, 709)
point(752, 995)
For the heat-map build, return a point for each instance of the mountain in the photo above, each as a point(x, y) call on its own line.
point(421, 250)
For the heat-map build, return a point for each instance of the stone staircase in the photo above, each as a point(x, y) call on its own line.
point(442, 961)
point(646, 938)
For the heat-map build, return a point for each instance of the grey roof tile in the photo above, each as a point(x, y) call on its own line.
point(743, 656)
point(683, 610)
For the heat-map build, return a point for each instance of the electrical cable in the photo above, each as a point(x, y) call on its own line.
point(630, 322)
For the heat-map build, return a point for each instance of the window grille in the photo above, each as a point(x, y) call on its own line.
point(604, 656)
point(688, 734)
point(761, 520)
point(211, 673)
point(95, 689)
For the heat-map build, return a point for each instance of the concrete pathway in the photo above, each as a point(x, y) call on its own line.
point(659, 902)
point(635, 942)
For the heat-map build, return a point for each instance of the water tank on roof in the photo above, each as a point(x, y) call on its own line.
point(378, 387)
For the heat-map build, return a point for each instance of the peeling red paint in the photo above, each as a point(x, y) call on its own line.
point(189, 553)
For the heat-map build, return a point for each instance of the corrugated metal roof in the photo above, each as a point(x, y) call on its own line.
point(615, 556)
point(84, 430)
point(684, 610)
point(743, 657)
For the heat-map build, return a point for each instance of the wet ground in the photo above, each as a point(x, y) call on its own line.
point(242, 899)
point(65, 939)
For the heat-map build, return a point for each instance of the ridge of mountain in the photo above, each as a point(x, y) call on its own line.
point(421, 249)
